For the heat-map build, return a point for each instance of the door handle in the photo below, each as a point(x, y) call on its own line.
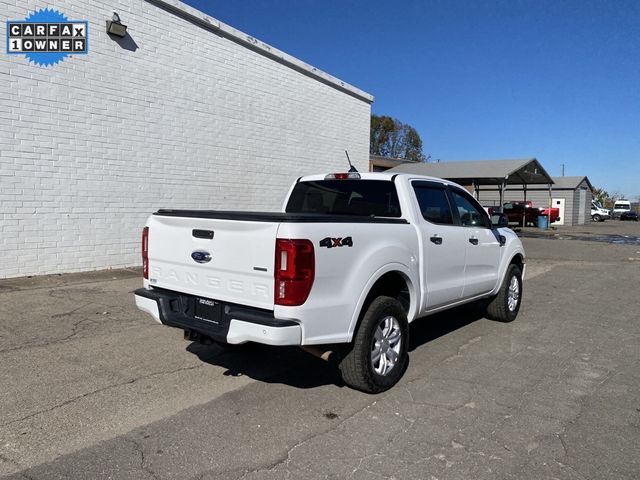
point(473, 240)
point(436, 239)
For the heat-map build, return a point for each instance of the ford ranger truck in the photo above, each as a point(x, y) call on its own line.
point(349, 263)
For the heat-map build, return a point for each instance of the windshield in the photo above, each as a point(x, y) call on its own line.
point(622, 206)
point(345, 197)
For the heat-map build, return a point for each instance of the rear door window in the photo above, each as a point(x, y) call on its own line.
point(376, 198)
point(433, 202)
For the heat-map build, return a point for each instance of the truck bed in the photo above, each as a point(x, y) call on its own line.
point(278, 217)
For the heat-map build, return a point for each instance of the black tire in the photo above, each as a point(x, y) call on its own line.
point(596, 218)
point(358, 367)
point(502, 307)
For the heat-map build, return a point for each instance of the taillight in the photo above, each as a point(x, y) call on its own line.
point(343, 176)
point(145, 252)
point(294, 271)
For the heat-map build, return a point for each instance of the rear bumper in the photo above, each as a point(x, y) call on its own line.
point(234, 324)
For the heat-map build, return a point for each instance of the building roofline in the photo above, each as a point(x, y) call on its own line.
point(212, 24)
point(488, 172)
point(577, 180)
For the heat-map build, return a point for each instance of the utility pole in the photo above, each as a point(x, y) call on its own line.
point(563, 169)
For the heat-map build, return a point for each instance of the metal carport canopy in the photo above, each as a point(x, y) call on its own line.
point(523, 172)
point(482, 172)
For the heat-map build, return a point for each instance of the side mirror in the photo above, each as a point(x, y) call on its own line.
point(499, 220)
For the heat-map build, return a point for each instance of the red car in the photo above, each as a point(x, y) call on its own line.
point(516, 211)
point(555, 212)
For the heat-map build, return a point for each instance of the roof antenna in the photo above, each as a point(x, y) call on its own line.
point(351, 167)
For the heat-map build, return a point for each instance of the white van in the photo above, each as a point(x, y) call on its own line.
point(598, 213)
point(620, 206)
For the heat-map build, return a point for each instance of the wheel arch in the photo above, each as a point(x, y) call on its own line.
point(394, 280)
point(517, 259)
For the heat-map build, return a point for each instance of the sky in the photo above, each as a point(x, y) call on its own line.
point(555, 80)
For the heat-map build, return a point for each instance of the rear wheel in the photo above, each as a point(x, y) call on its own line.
point(378, 355)
point(505, 305)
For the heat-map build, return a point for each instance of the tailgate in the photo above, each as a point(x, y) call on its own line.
point(240, 269)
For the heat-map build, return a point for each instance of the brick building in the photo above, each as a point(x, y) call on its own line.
point(183, 112)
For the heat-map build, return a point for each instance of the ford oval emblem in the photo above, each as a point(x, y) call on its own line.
point(200, 256)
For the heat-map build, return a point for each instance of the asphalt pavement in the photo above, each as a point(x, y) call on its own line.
point(91, 388)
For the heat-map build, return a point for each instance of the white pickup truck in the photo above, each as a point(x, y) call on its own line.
point(352, 260)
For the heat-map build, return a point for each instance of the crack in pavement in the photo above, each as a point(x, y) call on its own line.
point(479, 453)
point(6, 459)
point(21, 472)
point(462, 348)
point(70, 312)
point(562, 465)
point(100, 390)
point(359, 466)
point(560, 435)
point(140, 449)
point(75, 331)
point(286, 458)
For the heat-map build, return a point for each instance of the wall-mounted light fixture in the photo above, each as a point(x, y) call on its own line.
point(116, 27)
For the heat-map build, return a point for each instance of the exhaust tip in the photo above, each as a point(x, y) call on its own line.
point(193, 336)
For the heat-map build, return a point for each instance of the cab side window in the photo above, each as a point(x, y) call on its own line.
point(434, 204)
point(470, 215)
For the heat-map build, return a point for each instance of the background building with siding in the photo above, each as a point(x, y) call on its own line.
point(184, 112)
point(517, 179)
point(572, 195)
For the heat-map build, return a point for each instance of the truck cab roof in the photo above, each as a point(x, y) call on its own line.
point(388, 176)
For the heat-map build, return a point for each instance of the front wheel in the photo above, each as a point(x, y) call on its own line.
point(505, 305)
point(378, 355)
point(596, 218)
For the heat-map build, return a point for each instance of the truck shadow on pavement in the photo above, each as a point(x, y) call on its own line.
point(294, 367)
point(430, 328)
point(287, 365)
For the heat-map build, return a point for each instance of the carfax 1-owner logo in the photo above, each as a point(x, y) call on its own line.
point(46, 37)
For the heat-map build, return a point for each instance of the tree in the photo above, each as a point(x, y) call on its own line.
point(606, 200)
point(601, 196)
point(392, 138)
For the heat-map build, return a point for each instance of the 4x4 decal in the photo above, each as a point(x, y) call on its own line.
point(336, 242)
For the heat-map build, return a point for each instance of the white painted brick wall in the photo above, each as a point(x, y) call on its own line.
point(190, 119)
